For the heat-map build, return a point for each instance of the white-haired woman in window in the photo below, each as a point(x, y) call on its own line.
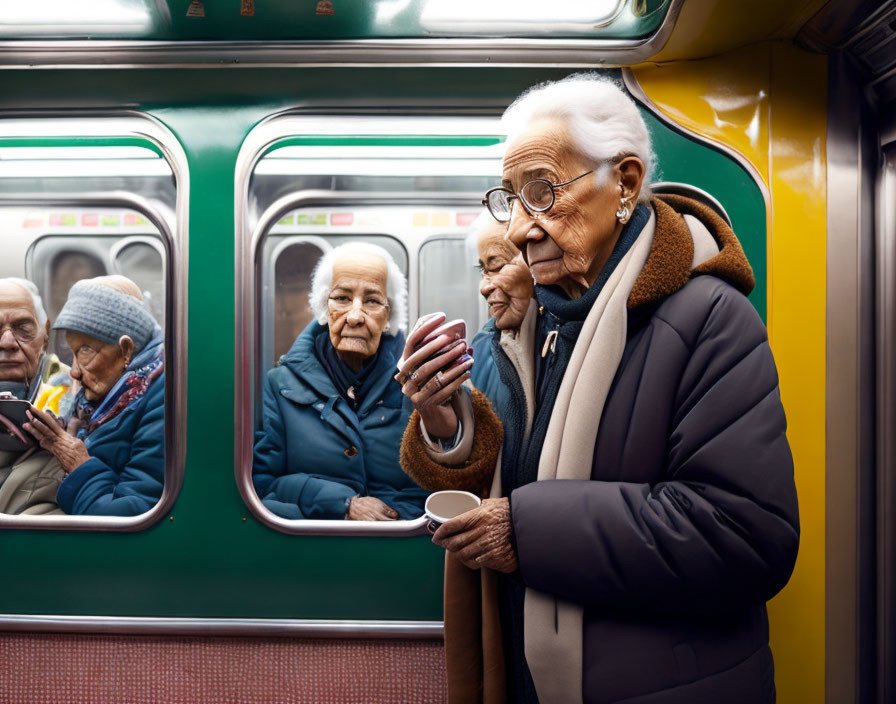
point(332, 414)
point(643, 508)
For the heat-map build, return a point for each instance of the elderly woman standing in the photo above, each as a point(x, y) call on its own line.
point(332, 416)
point(643, 507)
point(113, 446)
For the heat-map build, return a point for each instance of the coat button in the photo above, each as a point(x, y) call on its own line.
point(351, 451)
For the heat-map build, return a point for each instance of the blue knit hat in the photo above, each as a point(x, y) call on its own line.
point(106, 314)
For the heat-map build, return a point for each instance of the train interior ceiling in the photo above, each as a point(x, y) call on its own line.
point(212, 152)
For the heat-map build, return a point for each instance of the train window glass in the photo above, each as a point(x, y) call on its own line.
point(415, 194)
point(449, 280)
point(90, 225)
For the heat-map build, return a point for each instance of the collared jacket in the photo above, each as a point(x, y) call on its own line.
point(314, 452)
point(689, 522)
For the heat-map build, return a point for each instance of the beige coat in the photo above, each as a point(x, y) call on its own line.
point(28, 482)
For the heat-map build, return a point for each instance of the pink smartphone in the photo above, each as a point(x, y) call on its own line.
point(455, 329)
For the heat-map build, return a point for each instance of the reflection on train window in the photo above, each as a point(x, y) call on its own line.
point(449, 280)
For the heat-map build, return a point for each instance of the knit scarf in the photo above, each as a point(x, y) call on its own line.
point(352, 386)
point(144, 368)
point(553, 628)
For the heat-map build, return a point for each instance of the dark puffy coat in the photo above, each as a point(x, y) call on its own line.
point(314, 452)
point(689, 522)
point(126, 470)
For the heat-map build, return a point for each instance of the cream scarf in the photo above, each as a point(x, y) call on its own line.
point(553, 628)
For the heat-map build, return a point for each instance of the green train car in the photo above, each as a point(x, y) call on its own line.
point(212, 151)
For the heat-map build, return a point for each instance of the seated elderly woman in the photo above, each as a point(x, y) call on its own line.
point(642, 504)
point(332, 416)
point(112, 447)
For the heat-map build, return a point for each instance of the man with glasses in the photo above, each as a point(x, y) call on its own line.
point(29, 476)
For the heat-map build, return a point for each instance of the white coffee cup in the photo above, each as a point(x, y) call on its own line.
point(442, 506)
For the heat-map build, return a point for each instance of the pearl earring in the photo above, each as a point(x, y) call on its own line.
point(623, 212)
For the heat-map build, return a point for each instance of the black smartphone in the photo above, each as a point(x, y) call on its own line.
point(13, 438)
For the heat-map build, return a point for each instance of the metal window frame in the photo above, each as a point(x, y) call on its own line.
point(131, 124)
point(129, 54)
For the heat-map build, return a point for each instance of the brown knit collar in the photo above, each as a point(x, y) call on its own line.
point(668, 266)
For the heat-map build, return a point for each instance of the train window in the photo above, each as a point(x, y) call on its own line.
point(411, 187)
point(447, 266)
point(91, 221)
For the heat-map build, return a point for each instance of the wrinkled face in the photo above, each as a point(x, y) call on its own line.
point(96, 364)
point(506, 282)
point(21, 341)
point(569, 243)
point(357, 308)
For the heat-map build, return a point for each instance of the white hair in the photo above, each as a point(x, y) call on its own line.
point(484, 221)
point(396, 284)
point(36, 301)
point(602, 120)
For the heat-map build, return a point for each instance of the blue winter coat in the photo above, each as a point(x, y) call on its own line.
point(484, 373)
point(126, 470)
point(314, 452)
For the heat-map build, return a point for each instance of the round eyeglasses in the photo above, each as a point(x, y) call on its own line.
point(537, 196)
point(24, 331)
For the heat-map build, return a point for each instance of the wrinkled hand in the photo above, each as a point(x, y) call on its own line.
point(430, 385)
point(481, 537)
point(367, 508)
point(53, 438)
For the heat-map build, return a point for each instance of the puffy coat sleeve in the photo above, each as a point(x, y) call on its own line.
point(719, 531)
point(284, 493)
point(97, 489)
point(420, 462)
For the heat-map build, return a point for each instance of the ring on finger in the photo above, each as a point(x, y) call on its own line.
point(439, 381)
point(413, 376)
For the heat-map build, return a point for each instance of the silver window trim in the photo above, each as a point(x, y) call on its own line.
point(130, 124)
point(248, 342)
point(571, 53)
point(116, 248)
point(273, 627)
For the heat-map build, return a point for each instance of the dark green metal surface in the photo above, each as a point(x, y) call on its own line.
point(211, 558)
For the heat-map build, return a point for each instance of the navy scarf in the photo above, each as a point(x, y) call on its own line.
point(344, 377)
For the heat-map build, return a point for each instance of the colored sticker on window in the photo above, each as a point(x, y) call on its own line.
point(342, 218)
point(196, 9)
